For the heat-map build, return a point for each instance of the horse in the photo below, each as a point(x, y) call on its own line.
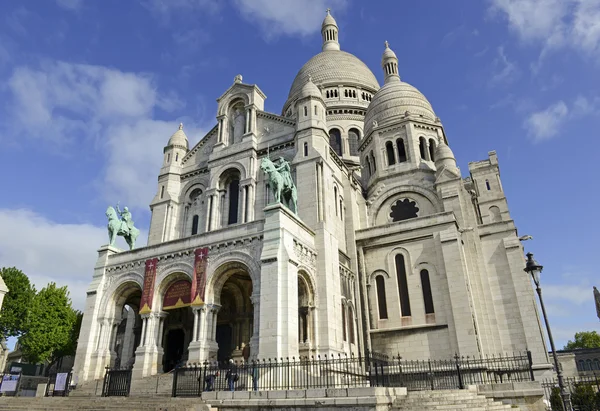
point(117, 227)
point(282, 189)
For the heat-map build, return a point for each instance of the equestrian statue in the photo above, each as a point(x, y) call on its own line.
point(121, 224)
point(281, 183)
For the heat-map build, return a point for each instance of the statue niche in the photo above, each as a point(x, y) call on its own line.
point(237, 124)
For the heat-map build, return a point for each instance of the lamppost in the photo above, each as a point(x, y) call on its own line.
point(532, 267)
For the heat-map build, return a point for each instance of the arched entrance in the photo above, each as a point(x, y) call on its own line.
point(235, 320)
point(128, 332)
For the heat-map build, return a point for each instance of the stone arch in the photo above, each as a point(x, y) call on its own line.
point(220, 269)
point(495, 215)
point(427, 199)
point(231, 100)
point(165, 282)
point(375, 273)
point(308, 286)
point(109, 299)
point(221, 175)
point(392, 263)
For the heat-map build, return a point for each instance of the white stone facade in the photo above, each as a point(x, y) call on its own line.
point(392, 250)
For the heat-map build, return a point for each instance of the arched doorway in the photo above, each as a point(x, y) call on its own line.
point(235, 320)
point(128, 332)
point(305, 314)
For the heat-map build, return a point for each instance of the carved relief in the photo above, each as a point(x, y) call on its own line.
point(305, 254)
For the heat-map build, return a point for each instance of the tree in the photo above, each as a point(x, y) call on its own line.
point(49, 326)
point(13, 316)
point(584, 339)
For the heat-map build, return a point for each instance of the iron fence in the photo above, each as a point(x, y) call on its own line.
point(585, 393)
point(339, 371)
point(117, 382)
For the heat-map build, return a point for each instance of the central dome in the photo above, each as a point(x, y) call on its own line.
point(334, 67)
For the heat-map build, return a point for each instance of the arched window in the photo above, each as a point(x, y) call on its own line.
point(369, 166)
point(341, 208)
point(335, 140)
point(335, 199)
point(344, 330)
point(316, 110)
point(596, 364)
point(391, 157)
point(353, 137)
point(423, 148)
point(487, 185)
point(327, 93)
point(305, 111)
point(176, 157)
point(432, 149)
point(354, 96)
point(305, 149)
point(588, 365)
point(350, 325)
point(402, 286)
point(373, 161)
point(234, 192)
point(495, 214)
point(381, 301)
point(168, 157)
point(427, 297)
point(580, 365)
point(401, 150)
point(195, 224)
point(345, 95)
point(335, 92)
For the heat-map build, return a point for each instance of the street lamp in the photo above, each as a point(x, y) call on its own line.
point(532, 267)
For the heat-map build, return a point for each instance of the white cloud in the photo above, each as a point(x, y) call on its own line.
point(70, 4)
point(545, 124)
point(49, 251)
point(288, 17)
point(506, 71)
point(554, 23)
point(63, 103)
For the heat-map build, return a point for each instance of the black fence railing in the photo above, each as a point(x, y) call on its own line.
point(348, 372)
point(585, 393)
point(59, 384)
point(117, 382)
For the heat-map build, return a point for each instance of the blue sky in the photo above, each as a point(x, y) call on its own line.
point(90, 92)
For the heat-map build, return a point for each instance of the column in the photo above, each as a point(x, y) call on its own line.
point(244, 199)
point(247, 123)
point(128, 339)
point(208, 222)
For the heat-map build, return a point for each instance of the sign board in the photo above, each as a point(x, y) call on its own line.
point(16, 370)
point(148, 291)
point(10, 382)
point(177, 295)
point(61, 381)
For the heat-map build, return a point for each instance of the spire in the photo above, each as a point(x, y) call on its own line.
point(389, 63)
point(178, 138)
point(329, 31)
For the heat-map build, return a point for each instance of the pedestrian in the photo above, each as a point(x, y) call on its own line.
point(231, 375)
point(209, 380)
point(254, 376)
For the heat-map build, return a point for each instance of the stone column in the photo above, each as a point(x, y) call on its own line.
point(244, 198)
point(147, 355)
point(251, 201)
point(128, 339)
point(247, 123)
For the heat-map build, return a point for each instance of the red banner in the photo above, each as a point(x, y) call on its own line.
point(177, 295)
point(199, 278)
point(148, 290)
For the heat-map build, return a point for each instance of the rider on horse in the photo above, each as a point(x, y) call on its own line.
point(284, 170)
point(125, 216)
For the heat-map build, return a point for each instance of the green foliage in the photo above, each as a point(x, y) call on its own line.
point(584, 339)
point(555, 399)
point(13, 316)
point(50, 325)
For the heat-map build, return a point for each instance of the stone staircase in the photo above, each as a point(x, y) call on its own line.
point(447, 400)
point(97, 404)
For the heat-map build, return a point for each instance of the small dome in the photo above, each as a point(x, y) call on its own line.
point(310, 89)
point(391, 103)
point(444, 158)
point(388, 53)
point(179, 138)
point(329, 20)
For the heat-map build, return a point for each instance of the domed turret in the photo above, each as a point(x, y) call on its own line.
point(329, 31)
point(179, 139)
point(444, 158)
point(310, 90)
point(396, 99)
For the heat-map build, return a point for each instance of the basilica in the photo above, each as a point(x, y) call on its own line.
point(389, 248)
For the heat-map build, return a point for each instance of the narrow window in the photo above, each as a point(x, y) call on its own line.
point(335, 140)
point(596, 364)
point(402, 286)
point(341, 208)
point(588, 365)
point(336, 93)
point(195, 225)
point(427, 297)
point(401, 150)
point(168, 157)
point(389, 149)
point(580, 365)
point(345, 93)
point(432, 149)
point(162, 191)
point(344, 323)
point(373, 160)
point(315, 109)
point(487, 185)
point(327, 93)
point(381, 302)
point(335, 199)
point(305, 149)
point(351, 325)
point(354, 93)
point(353, 138)
point(369, 166)
point(305, 111)
point(422, 148)
point(234, 193)
point(176, 157)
